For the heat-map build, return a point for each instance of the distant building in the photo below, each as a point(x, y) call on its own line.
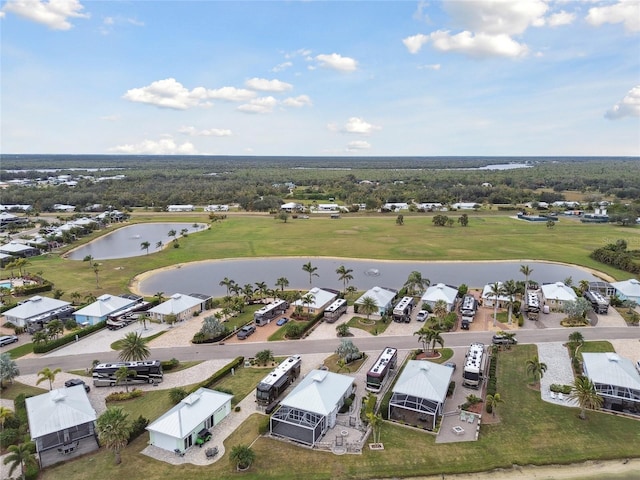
point(628, 290)
point(37, 311)
point(182, 306)
point(555, 295)
point(321, 300)
point(180, 208)
point(382, 296)
point(216, 208)
point(440, 291)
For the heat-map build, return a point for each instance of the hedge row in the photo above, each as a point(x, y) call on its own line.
point(70, 338)
point(33, 289)
point(223, 372)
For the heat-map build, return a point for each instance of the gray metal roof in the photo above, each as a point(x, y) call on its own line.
point(424, 379)
point(319, 392)
point(59, 409)
point(611, 369)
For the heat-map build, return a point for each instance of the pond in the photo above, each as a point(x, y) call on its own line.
point(127, 241)
point(204, 277)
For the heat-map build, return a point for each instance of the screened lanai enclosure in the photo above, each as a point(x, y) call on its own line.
point(419, 394)
point(298, 425)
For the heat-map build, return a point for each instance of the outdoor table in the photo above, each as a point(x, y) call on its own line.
point(458, 430)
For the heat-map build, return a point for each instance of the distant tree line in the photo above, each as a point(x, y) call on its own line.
point(617, 255)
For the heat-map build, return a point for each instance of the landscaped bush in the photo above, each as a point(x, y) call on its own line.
point(122, 396)
point(70, 338)
point(138, 428)
point(263, 426)
point(566, 389)
point(170, 364)
point(32, 289)
point(452, 387)
point(346, 405)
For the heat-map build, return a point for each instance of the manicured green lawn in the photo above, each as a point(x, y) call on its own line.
point(490, 237)
point(331, 362)
point(530, 431)
point(243, 382)
point(373, 326)
point(12, 390)
point(22, 350)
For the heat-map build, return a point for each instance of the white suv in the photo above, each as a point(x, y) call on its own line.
point(422, 315)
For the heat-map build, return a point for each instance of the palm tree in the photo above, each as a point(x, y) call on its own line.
point(75, 296)
point(493, 401)
point(48, 374)
point(122, 376)
point(243, 456)
point(496, 291)
point(159, 296)
point(376, 422)
point(172, 233)
point(526, 270)
point(134, 348)
point(308, 299)
point(159, 245)
point(143, 320)
point(584, 392)
point(311, 270)
point(20, 456)
point(282, 282)
point(429, 337)
point(510, 289)
point(415, 282)
point(583, 286)
point(89, 259)
point(344, 275)
point(226, 282)
point(247, 292)
point(261, 288)
point(576, 338)
point(440, 311)
point(5, 413)
point(536, 368)
point(368, 306)
point(90, 298)
point(145, 246)
point(96, 271)
point(113, 430)
point(436, 338)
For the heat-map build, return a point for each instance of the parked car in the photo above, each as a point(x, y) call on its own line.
point(246, 331)
point(450, 364)
point(7, 340)
point(504, 340)
point(76, 381)
point(422, 315)
point(282, 321)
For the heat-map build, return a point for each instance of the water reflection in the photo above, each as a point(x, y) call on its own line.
point(127, 241)
point(205, 277)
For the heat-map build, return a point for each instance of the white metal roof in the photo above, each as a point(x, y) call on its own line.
point(182, 419)
point(320, 298)
point(105, 305)
point(629, 288)
point(35, 306)
point(178, 303)
point(440, 291)
point(382, 296)
point(58, 409)
point(487, 295)
point(611, 369)
point(15, 247)
point(558, 291)
point(424, 379)
point(319, 392)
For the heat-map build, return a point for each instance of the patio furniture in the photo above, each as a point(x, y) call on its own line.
point(211, 452)
point(470, 418)
point(458, 430)
point(553, 395)
point(560, 396)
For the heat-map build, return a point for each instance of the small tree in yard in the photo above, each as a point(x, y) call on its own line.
point(368, 306)
point(584, 392)
point(212, 327)
point(243, 456)
point(376, 423)
point(177, 394)
point(264, 356)
point(348, 351)
point(113, 430)
point(343, 330)
point(20, 456)
point(492, 402)
point(122, 376)
point(536, 368)
point(578, 309)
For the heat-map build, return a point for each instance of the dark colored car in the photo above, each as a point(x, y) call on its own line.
point(282, 321)
point(76, 381)
point(503, 340)
point(246, 331)
point(7, 339)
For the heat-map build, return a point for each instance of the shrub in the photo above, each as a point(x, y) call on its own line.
point(237, 409)
point(176, 395)
point(70, 324)
point(122, 396)
point(263, 425)
point(9, 436)
point(170, 364)
point(346, 405)
point(452, 387)
point(489, 408)
point(70, 338)
point(138, 427)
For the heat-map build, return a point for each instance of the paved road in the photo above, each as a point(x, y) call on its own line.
point(249, 349)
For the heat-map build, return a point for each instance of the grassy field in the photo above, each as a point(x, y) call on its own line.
point(373, 326)
point(490, 237)
point(529, 431)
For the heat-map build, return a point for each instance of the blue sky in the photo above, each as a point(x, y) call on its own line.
point(494, 78)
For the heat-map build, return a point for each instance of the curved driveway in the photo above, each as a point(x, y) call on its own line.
point(283, 348)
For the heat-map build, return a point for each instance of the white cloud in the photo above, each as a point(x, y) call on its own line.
point(561, 18)
point(358, 145)
point(629, 106)
point(495, 17)
point(433, 66)
point(165, 146)
point(626, 12)
point(259, 105)
point(299, 101)
point(110, 118)
point(264, 85)
point(2, 14)
point(359, 126)
point(54, 14)
point(336, 61)
point(414, 43)
point(212, 132)
point(109, 23)
point(167, 93)
point(478, 45)
point(231, 94)
point(282, 66)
